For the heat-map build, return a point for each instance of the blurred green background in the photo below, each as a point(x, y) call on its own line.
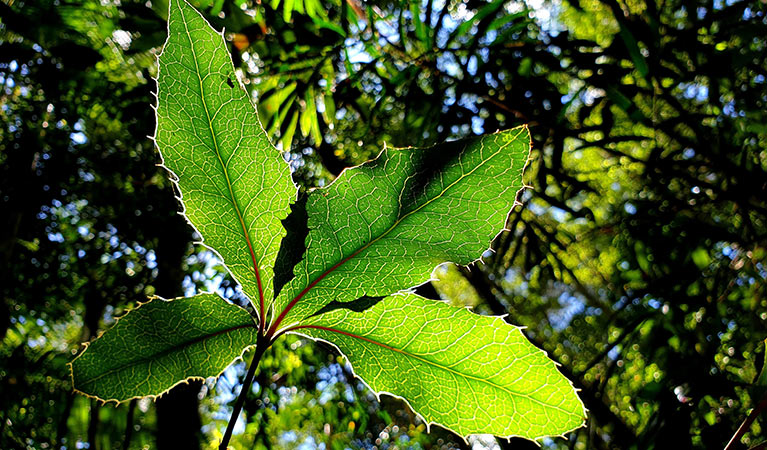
point(638, 261)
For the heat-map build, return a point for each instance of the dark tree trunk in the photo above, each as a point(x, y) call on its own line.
point(93, 424)
point(129, 424)
point(178, 417)
point(62, 427)
point(17, 203)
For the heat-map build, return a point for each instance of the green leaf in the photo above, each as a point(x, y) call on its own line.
point(218, 5)
point(761, 380)
point(287, 10)
point(329, 113)
point(315, 124)
point(640, 63)
point(289, 131)
point(235, 186)
point(385, 225)
point(160, 344)
point(701, 258)
point(468, 373)
point(484, 12)
point(306, 122)
point(420, 30)
point(327, 25)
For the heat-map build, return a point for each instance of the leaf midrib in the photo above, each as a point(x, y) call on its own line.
point(167, 351)
point(437, 365)
point(225, 168)
point(314, 282)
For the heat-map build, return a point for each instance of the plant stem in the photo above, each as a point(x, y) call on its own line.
point(747, 424)
point(261, 347)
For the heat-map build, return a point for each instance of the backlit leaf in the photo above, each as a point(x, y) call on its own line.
point(385, 225)
point(469, 373)
point(235, 186)
point(161, 343)
point(326, 265)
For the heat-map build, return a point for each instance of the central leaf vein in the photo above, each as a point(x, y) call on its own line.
point(171, 348)
point(314, 282)
point(235, 203)
point(434, 364)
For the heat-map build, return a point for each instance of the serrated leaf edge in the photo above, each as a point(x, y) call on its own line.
point(174, 178)
point(430, 423)
point(523, 127)
point(84, 346)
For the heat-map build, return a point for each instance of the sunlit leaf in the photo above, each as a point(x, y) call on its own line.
point(332, 258)
point(469, 373)
point(384, 226)
point(162, 343)
point(235, 186)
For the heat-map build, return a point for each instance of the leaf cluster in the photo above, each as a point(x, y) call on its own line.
point(331, 266)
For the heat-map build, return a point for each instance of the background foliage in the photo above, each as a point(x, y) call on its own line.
point(638, 261)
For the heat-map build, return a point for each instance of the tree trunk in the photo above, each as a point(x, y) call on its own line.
point(178, 417)
point(17, 202)
point(93, 424)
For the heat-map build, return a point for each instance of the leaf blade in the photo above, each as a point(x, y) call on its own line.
point(235, 186)
point(471, 374)
point(385, 225)
point(180, 339)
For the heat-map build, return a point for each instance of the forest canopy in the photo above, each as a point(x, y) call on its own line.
point(637, 260)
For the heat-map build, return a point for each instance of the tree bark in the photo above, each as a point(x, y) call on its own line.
point(93, 424)
point(17, 204)
point(178, 416)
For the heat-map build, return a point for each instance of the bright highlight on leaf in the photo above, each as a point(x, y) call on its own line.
point(235, 186)
point(469, 373)
point(384, 226)
point(161, 343)
point(332, 265)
